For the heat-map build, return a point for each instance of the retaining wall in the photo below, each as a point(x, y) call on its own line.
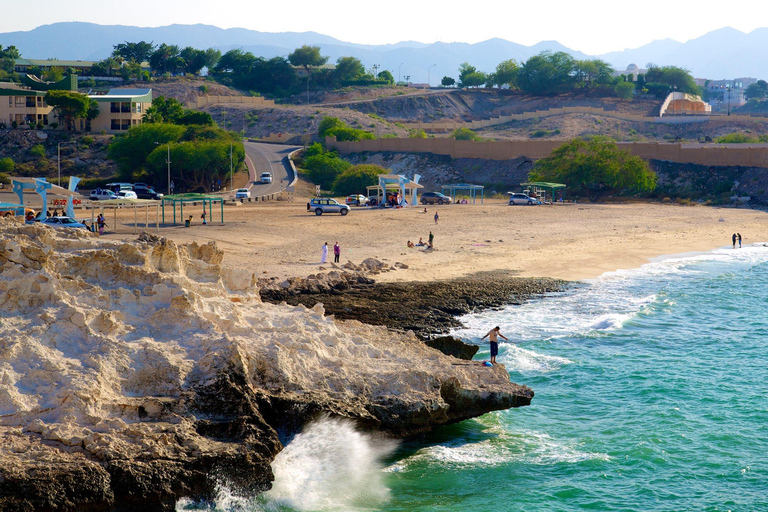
point(256, 101)
point(750, 155)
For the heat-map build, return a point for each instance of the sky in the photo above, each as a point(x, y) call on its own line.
point(591, 26)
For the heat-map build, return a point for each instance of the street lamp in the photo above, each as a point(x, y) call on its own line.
point(728, 88)
point(375, 68)
point(168, 161)
point(58, 152)
point(231, 174)
point(428, 70)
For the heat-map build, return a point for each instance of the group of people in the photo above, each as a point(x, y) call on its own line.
point(421, 243)
point(736, 237)
point(336, 253)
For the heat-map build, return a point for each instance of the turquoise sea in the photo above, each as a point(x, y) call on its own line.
point(651, 395)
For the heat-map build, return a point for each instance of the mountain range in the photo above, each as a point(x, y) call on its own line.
point(722, 53)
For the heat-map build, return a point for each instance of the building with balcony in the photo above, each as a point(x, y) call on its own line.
point(119, 109)
point(23, 107)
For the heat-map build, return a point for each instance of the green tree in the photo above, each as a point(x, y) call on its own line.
point(675, 78)
point(547, 74)
point(212, 56)
point(194, 60)
point(307, 57)
point(758, 90)
point(469, 76)
point(324, 168)
point(447, 81)
point(593, 73)
point(624, 90)
point(386, 76)
point(596, 168)
point(335, 127)
point(169, 110)
point(165, 58)
point(348, 68)
point(130, 149)
point(355, 179)
point(136, 52)
point(736, 138)
point(506, 73)
point(69, 106)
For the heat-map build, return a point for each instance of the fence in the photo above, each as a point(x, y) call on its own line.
point(255, 101)
point(749, 155)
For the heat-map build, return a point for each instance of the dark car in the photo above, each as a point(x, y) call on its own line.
point(147, 193)
point(434, 198)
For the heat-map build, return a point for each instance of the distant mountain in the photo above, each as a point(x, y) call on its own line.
point(723, 53)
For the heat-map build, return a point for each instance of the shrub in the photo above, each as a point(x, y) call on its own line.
point(86, 141)
point(323, 169)
point(356, 178)
point(465, 134)
point(37, 150)
point(7, 165)
point(736, 138)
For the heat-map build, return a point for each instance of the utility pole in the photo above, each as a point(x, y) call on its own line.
point(231, 174)
point(168, 161)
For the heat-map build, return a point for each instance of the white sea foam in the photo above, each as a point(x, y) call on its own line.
point(522, 360)
point(330, 466)
point(505, 447)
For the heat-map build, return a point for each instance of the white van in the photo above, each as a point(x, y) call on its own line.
point(266, 177)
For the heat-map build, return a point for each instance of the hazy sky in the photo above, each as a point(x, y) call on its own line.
point(594, 27)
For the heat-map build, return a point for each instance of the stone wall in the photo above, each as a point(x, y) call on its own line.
point(748, 155)
point(256, 101)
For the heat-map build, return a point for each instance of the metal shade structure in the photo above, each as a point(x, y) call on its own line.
point(472, 189)
point(396, 182)
point(115, 204)
point(182, 199)
point(543, 185)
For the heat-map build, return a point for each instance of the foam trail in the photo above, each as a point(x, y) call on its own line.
point(330, 466)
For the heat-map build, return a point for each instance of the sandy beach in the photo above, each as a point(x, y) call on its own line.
point(568, 241)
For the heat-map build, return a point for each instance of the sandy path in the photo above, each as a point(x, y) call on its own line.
point(572, 241)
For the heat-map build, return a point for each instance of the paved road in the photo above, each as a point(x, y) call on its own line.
point(272, 158)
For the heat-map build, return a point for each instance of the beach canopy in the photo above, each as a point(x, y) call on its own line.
point(182, 199)
point(396, 182)
point(545, 186)
point(472, 189)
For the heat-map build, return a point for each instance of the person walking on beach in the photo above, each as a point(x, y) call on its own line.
point(203, 217)
point(493, 338)
point(102, 223)
point(324, 255)
point(436, 217)
point(431, 239)
point(336, 252)
point(733, 239)
point(739, 235)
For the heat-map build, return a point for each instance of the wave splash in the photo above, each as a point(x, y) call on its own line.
point(329, 466)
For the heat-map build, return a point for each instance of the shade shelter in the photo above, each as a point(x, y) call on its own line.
point(472, 189)
point(182, 199)
point(135, 204)
point(43, 188)
point(398, 183)
point(537, 186)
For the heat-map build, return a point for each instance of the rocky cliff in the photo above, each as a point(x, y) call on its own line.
point(132, 374)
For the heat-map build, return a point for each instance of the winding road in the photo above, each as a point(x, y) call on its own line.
point(273, 158)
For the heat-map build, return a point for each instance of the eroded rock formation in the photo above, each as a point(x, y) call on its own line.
point(135, 373)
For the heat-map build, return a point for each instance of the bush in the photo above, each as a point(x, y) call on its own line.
point(86, 141)
point(355, 179)
point(324, 169)
point(7, 165)
point(335, 127)
point(624, 90)
point(736, 138)
point(465, 134)
point(37, 150)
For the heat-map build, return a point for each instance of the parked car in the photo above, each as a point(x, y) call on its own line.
point(373, 201)
point(325, 205)
point(10, 212)
point(357, 200)
point(242, 193)
point(62, 221)
point(520, 198)
point(140, 185)
point(266, 177)
point(117, 187)
point(434, 198)
point(147, 193)
point(101, 194)
point(127, 194)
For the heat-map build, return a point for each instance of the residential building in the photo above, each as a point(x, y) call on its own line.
point(22, 65)
point(726, 94)
point(119, 109)
point(26, 105)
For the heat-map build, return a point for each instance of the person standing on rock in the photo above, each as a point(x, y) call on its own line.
point(324, 255)
point(493, 338)
point(336, 252)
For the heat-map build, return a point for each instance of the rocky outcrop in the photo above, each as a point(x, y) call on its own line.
point(451, 346)
point(132, 374)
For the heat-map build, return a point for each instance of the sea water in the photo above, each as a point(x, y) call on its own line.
point(651, 395)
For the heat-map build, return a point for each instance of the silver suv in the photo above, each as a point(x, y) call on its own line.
point(326, 205)
point(521, 199)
